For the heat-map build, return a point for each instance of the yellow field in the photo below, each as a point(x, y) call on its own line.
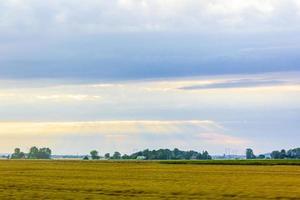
point(145, 180)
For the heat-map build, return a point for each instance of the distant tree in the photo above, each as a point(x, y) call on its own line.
point(107, 156)
point(206, 156)
point(283, 154)
point(261, 156)
point(294, 153)
point(42, 153)
point(177, 154)
point(94, 155)
point(33, 153)
point(125, 156)
point(17, 154)
point(167, 154)
point(117, 155)
point(250, 154)
point(85, 158)
point(275, 155)
point(199, 156)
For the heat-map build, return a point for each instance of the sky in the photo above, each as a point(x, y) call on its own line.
point(126, 75)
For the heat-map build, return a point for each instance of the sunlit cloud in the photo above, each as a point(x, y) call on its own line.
point(110, 91)
point(78, 97)
point(257, 82)
point(104, 127)
point(204, 131)
point(150, 113)
point(42, 97)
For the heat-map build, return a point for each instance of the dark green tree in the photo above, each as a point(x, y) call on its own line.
point(261, 156)
point(33, 153)
point(117, 155)
point(42, 153)
point(166, 154)
point(275, 155)
point(294, 153)
point(94, 155)
point(17, 154)
point(85, 158)
point(107, 156)
point(206, 156)
point(250, 154)
point(283, 154)
point(125, 156)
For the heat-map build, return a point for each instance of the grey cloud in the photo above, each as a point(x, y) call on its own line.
point(130, 39)
point(243, 83)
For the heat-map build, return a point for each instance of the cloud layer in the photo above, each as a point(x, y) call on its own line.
point(162, 134)
point(137, 39)
point(196, 112)
point(93, 16)
point(136, 63)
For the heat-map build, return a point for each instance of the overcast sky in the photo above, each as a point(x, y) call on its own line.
point(133, 74)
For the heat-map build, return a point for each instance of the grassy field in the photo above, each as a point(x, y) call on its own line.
point(146, 180)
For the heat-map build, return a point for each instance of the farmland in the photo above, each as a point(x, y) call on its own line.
point(29, 179)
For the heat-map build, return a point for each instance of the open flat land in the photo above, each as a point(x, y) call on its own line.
point(145, 180)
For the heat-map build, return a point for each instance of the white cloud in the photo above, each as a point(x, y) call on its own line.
point(190, 90)
point(94, 16)
point(68, 97)
point(44, 97)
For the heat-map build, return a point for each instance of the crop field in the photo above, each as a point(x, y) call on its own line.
point(26, 179)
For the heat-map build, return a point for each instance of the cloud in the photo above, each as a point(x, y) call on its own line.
point(92, 16)
point(257, 81)
point(237, 84)
point(189, 130)
point(42, 97)
point(152, 91)
point(68, 97)
point(155, 113)
point(137, 39)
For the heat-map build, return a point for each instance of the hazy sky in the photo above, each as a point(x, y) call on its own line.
point(132, 74)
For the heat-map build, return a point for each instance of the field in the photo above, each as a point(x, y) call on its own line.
point(147, 180)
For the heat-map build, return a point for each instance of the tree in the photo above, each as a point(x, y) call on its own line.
point(42, 153)
point(261, 156)
point(275, 155)
point(117, 155)
point(283, 154)
point(18, 154)
point(167, 154)
point(206, 156)
point(125, 156)
point(33, 153)
point(250, 154)
point(176, 154)
point(294, 153)
point(107, 156)
point(85, 158)
point(94, 155)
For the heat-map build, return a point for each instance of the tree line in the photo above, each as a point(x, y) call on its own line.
point(34, 153)
point(160, 154)
point(277, 154)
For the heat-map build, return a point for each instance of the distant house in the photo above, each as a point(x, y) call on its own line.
point(141, 158)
